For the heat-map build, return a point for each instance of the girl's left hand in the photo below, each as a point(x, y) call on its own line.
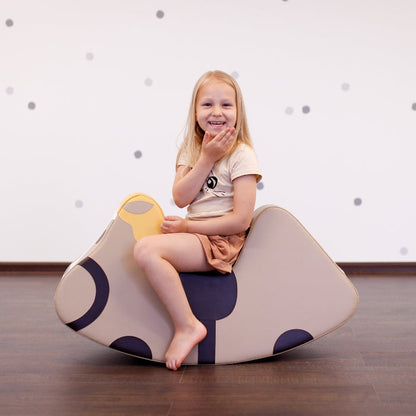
point(173, 224)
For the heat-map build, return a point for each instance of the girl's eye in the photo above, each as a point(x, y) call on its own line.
point(206, 105)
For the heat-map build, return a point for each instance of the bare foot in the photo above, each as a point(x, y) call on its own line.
point(182, 343)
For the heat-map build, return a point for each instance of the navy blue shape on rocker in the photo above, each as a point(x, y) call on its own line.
point(102, 291)
point(212, 296)
point(132, 345)
point(291, 339)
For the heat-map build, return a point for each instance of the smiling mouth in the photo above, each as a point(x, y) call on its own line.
point(216, 123)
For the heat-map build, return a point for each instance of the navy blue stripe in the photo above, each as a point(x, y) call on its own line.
point(102, 291)
point(206, 348)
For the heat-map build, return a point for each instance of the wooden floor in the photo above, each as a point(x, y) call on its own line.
point(367, 367)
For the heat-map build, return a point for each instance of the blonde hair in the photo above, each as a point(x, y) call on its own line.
point(193, 132)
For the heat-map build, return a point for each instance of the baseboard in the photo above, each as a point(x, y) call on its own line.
point(33, 267)
point(379, 268)
point(351, 269)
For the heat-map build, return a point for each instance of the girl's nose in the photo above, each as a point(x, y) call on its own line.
point(216, 110)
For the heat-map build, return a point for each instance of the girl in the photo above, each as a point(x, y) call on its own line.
point(216, 176)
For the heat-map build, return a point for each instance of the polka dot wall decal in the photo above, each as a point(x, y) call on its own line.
point(138, 154)
point(306, 109)
point(89, 56)
point(414, 106)
point(289, 111)
point(79, 203)
point(31, 105)
point(234, 74)
point(9, 23)
point(358, 201)
point(404, 251)
point(148, 82)
point(160, 14)
point(345, 86)
point(260, 185)
point(9, 90)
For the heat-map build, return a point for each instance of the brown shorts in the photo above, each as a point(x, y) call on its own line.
point(222, 251)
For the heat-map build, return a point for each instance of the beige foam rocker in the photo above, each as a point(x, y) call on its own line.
point(284, 291)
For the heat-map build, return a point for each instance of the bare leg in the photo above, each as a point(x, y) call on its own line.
point(161, 257)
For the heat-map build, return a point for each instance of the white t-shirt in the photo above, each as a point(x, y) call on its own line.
point(215, 199)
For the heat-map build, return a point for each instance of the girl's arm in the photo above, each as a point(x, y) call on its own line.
point(188, 182)
point(236, 222)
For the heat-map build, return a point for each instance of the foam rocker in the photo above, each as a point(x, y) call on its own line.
point(283, 292)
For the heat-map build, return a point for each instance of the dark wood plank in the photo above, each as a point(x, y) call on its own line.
point(366, 367)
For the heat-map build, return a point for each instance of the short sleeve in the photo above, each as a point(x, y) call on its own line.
point(184, 158)
point(244, 162)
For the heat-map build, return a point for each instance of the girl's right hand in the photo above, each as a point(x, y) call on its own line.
point(217, 147)
point(189, 181)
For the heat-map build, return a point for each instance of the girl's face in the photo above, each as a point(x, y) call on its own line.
point(216, 107)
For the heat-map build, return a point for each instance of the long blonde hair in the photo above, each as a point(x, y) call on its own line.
point(193, 132)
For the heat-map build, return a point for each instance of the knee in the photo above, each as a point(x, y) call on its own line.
point(144, 250)
point(140, 249)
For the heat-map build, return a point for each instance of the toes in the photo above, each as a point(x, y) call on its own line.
point(172, 365)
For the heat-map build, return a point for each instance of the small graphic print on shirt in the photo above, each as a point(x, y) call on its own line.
point(212, 182)
point(210, 186)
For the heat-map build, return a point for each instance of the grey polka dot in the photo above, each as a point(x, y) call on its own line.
point(9, 23)
point(31, 105)
point(160, 14)
point(414, 106)
point(148, 82)
point(358, 201)
point(235, 74)
point(306, 109)
point(79, 203)
point(345, 86)
point(260, 185)
point(289, 111)
point(9, 90)
point(404, 251)
point(89, 56)
point(138, 154)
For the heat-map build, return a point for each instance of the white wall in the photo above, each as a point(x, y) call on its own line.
point(330, 90)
